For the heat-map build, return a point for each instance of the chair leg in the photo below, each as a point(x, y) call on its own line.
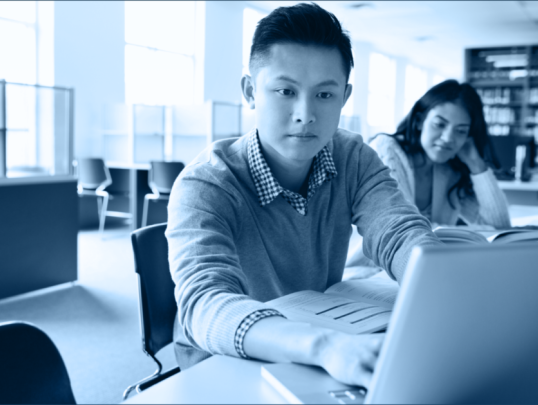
point(104, 207)
point(99, 207)
point(136, 386)
point(145, 212)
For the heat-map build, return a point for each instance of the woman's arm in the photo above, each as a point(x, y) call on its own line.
point(490, 206)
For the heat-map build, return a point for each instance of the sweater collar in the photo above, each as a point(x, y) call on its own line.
point(268, 188)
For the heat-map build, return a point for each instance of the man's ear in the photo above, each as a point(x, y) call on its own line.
point(347, 93)
point(247, 86)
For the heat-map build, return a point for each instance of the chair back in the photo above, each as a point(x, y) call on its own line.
point(158, 306)
point(93, 173)
point(31, 367)
point(163, 175)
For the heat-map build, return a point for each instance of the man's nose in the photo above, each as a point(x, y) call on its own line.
point(304, 112)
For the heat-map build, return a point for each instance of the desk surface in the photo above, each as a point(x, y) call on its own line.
point(126, 165)
point(531, 185)
point(217, 380)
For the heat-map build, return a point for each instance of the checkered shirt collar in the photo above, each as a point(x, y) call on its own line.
point(268, 187)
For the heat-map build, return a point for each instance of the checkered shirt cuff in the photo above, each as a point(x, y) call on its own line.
point(247, 323)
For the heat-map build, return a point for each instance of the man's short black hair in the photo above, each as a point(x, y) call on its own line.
point(305, 24)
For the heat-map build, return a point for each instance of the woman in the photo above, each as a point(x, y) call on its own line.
point(440, 157)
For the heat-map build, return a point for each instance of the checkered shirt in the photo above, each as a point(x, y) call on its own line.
point(268, 187)
point(247, 323)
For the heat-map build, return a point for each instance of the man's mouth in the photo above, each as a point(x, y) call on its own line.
point(304, 135)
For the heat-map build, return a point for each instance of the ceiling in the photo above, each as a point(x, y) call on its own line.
point(433, 34)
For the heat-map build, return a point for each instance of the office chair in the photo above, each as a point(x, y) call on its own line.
point(93, 178)
point(157, 304)
point(31, 367)
point(161, 179)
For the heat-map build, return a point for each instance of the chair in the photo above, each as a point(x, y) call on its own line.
point(157, 304)
point(93, 178)
point(161, 179)
point(31, 367)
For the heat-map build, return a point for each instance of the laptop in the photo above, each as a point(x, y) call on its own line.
point(464, 330)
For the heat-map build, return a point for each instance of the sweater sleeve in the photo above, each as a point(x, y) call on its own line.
point(489, 205)
point(211, 288)
point(390, 225)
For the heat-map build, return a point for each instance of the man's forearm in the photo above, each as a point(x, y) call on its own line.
point(280, 340)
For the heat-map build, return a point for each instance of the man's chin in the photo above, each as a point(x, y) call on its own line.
point(299, 152)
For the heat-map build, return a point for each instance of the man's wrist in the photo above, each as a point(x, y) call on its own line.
point(322, 345)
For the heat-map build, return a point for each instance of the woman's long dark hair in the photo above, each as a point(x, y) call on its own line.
point(450, 91)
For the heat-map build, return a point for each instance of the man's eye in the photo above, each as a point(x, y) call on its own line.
point(285, 92)
point(324, 95)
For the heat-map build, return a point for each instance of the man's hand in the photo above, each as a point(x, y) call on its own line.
point(469, 155)
point(351, 359)
point(348, 358)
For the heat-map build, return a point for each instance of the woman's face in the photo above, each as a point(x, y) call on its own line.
point(444, 131)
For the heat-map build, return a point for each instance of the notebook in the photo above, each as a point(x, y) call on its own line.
point(463, 330)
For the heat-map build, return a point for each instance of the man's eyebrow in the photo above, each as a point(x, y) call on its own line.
point(324, 83)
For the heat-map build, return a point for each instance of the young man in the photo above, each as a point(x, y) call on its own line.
point(270, 213)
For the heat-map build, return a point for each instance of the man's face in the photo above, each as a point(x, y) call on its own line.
point(298, 96)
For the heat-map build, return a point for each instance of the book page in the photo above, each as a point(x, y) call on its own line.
point(514, 234)
point(380, 291)
point(455, 234)
point(331, 311)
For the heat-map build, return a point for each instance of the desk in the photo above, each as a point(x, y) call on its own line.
point(521, 192)
point(514, 185)
point(38, 233)
point(217, 380)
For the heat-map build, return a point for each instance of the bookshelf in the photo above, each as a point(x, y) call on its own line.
point(506, 78)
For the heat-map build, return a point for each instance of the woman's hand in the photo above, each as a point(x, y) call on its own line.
point(351, 359)
point(469, 155)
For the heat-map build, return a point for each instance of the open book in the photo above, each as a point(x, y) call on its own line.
point(352, 306)
point(462, 234)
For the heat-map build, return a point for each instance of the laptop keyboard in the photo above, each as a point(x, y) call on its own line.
point(349, 396)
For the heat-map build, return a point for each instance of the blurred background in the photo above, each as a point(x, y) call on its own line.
point(134, 82)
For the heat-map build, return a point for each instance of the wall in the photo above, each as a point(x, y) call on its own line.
point(223, 51)
point(89, 56)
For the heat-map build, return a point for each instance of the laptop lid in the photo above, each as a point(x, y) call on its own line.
point(464, 328)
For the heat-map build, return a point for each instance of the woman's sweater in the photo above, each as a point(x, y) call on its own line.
point(488, 206)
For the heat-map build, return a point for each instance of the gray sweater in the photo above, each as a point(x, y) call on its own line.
point(228, 255)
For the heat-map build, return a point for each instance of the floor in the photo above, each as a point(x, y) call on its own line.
point(94, 322)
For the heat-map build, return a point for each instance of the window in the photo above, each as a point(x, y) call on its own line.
point(381, 91)
point(416, 84)
point(251, 18)
point(18, 41)
point(160, 41)
point(27, 57)
point(437, 79)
